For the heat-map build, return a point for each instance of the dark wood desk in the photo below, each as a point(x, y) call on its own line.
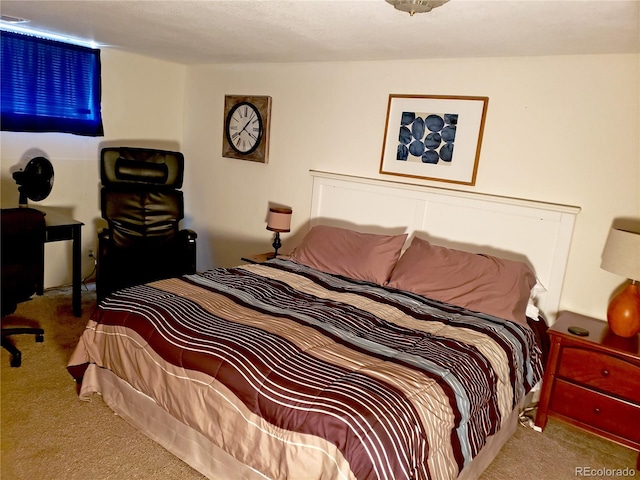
point(58, 228)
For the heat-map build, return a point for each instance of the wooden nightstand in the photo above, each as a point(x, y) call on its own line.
point(258, 258)
point(593, 381)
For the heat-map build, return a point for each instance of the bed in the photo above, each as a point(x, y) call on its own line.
point(341, 360)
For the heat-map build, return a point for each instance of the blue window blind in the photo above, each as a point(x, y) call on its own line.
point(49, 86)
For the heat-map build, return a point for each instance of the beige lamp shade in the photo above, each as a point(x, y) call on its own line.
point(279, 219)
point(622, 254)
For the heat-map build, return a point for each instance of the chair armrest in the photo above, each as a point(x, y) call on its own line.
point(188, 235)
point(104, 238)
point(102, 264)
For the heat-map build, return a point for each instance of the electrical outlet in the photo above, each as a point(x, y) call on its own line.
point(91, 254)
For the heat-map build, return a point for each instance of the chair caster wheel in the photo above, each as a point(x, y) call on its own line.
point(39, 338)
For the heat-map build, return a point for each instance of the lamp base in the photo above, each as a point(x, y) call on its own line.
point(276, 244)
point(623, 313)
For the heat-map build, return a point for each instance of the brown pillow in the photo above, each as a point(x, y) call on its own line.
point(363, 256)
point(481, 283)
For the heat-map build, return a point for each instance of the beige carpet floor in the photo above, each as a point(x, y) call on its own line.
point(48, 434)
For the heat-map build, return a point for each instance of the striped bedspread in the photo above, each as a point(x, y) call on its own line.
point(301, 374)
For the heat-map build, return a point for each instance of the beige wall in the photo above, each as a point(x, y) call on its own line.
point(558, 129)
point(142, 104)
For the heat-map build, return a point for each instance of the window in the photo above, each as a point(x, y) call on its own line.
point(49, 86)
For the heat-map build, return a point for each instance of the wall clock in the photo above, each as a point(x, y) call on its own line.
point(246, 127)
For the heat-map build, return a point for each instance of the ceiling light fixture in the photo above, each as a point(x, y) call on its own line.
point(416, 6)
point(17, 28)
point(16, 25)
point(10, 19)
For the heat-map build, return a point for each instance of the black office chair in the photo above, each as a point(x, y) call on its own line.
point(143, 207)
point(23, 235)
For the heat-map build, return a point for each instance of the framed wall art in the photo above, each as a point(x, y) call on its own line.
point(434, 137)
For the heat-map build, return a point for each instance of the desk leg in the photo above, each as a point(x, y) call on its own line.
point(77, 267)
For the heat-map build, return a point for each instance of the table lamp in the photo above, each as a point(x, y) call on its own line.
point(278, 220)
point(621, 256)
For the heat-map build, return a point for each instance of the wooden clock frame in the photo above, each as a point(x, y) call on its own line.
point(263, 106)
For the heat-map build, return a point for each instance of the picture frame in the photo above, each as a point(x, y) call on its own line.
point(246, 128)
point(434, 137)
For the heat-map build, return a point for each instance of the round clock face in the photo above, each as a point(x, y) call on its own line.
point(244, 128)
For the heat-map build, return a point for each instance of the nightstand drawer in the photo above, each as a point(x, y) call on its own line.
point(597, 410)
point(604, 372)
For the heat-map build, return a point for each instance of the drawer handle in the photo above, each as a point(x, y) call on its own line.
point(596, 410)
point(605, 372)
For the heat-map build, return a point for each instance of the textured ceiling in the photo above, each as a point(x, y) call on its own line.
point(221, 31)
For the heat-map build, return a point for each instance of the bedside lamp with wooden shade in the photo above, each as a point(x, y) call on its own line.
point(278, 220)
point(621, 256)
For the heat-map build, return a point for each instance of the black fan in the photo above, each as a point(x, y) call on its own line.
point(35, 181)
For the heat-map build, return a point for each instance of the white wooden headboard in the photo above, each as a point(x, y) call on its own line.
point(536, 232)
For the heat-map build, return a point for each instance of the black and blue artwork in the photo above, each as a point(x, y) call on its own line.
point(427, 137)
